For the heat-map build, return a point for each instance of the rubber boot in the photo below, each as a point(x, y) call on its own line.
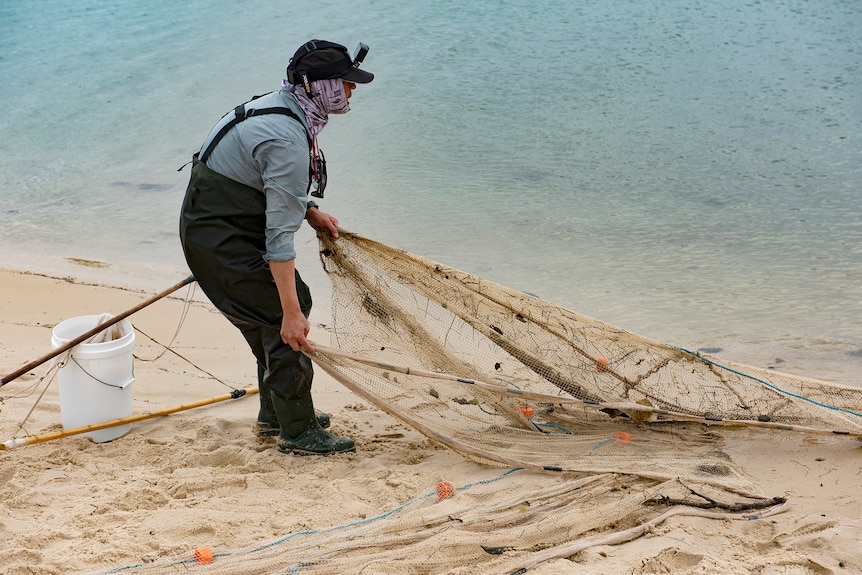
point(267, 422)
point(270, 428)
point(301, 432)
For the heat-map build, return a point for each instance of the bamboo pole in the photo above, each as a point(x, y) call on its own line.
point(21, 371)
point(18, 442)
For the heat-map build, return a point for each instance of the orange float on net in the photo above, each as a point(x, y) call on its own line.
point(527, 411)
point(601, 364)
point(445, 490)
point(204, 555)
point(622, 438)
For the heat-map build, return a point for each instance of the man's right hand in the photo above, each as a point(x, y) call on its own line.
point(294, 332)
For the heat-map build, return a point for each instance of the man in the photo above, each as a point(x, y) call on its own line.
point(247, 196)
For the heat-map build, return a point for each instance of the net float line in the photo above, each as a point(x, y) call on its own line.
point(649, 413)
point(464, 448)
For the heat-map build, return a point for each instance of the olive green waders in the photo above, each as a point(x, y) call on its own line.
point(222, 233)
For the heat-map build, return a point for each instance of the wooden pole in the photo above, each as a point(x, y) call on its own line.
point(13, 443)
point(19, 372)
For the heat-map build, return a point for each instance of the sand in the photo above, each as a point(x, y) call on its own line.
point(201, 478)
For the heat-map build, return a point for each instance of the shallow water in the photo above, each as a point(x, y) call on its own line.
point(688, 171)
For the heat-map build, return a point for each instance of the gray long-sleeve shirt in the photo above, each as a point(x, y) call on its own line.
point(269, 153)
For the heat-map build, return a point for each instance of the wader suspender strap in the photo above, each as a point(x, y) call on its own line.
point(241, 114)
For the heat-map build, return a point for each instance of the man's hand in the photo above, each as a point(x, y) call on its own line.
point(294, 331)
point(321, 220)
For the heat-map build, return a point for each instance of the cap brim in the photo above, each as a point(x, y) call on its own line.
point(358, 76)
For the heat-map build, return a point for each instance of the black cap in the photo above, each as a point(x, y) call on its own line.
point(322, 60)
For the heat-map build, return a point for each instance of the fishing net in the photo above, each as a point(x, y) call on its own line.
point(501, 376)
point(504, 524)
point(605, 432)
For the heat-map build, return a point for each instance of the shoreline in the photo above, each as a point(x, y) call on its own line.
point(822, 360)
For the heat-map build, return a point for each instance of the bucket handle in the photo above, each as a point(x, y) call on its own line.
point(121, 386)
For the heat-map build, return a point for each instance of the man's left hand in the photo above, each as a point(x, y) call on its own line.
point(321, 220)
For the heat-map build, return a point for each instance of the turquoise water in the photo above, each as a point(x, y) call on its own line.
point(690, 171)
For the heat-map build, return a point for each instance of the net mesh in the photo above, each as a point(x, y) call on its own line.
point(603, 430)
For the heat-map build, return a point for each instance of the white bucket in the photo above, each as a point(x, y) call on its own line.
point(96, 379)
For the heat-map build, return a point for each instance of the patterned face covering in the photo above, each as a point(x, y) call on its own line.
point(327, 97)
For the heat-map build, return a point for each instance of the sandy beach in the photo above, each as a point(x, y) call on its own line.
point(200, 478)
